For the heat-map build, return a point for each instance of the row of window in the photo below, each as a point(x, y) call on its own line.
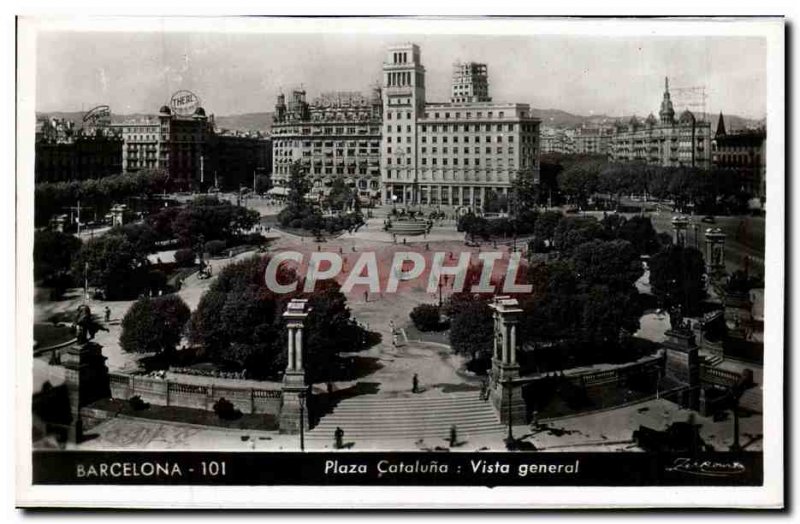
point(486, 175)
point(317, 145)
point(398, 115)
point(328, 130)
point(445, 150)
point(434, 161)
point(330, 170)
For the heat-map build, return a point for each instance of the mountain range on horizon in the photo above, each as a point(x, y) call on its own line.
point(262, 121)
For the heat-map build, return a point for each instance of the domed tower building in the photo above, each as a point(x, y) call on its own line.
point(685, 141)
point(182, 141)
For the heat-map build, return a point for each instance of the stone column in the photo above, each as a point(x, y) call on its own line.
point(294, 390)
point(715, 251)
point(505, 369)
point(682, 364)
point(680, 226)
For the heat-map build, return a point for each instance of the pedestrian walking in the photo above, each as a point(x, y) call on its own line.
point(107, 314)
point(415, 384)
point(484, 389)
point(338, 437)
point(366, 296)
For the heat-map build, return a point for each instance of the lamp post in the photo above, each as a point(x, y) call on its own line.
point(510, 437)
point(735, 399)
point(302, 398)
point(85, 282)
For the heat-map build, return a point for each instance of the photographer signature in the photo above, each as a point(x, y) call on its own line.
point(707, 467)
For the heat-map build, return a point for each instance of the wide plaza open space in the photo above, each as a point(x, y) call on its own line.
point(376, 409)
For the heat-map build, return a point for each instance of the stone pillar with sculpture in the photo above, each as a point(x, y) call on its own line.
point(505, 391)
point(294, 410)
point(682, 360)
point(85, 371)
point(680, 228)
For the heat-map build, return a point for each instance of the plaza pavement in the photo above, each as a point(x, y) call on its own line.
point(388, 368)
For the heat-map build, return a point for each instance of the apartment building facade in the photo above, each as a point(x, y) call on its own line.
point(667, 141)
point(338, 134)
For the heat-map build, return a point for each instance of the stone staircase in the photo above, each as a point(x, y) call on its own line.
point(752, 399)
point(712, 359)
point(409, 417)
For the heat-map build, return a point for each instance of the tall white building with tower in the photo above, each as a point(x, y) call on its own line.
point(450, 153)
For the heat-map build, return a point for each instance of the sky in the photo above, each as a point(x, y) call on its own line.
point(233, 73)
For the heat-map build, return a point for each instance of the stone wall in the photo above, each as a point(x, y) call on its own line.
point(596, 388)
point(163, 392)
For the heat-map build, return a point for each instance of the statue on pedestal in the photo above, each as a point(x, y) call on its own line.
point(677, 321)
point(85, 325)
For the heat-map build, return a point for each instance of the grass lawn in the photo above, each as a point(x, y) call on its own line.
point(47, 335)
point(256, 421)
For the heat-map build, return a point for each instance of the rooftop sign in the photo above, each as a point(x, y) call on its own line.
point(98, 115)
point(184, 103)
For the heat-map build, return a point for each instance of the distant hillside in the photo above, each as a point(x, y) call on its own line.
point(562, 119)
point(558, 118)
point(243, 122)
point(246, 121)
point(549, 117)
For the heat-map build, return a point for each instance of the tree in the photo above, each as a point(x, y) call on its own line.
point(53, 255)
point(426, 317)
point(263, 184)
point(185, 258)
point(330, 329)
point(154, 325)
point(639, 231)
point(471, 325)
point(677, 277)
point(495, 202)
point(580, 180)
point(525, 192)
point(162, 221)
point(114, 264)
point(212, 219)
point(606, 312)
point(142, 236)
point(552, 310)
point(340, 195)
point(239, 320)
point(573, 231)
point(299, 213)
point(545, 225)
point(99, 194)
point(608, 263)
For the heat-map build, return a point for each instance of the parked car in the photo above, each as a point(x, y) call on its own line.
point(708, 219)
